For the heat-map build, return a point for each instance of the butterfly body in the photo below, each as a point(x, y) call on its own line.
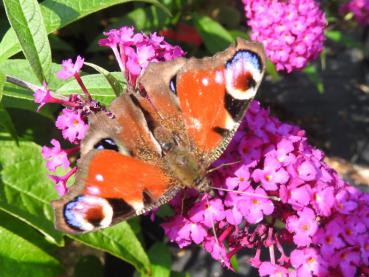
point(162, 139)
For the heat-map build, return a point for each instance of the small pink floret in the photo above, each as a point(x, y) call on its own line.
point(70, 68)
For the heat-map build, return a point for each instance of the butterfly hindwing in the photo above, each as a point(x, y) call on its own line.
point(120, 173)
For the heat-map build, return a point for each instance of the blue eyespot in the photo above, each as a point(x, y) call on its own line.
point(245, 56)
point(106, 143)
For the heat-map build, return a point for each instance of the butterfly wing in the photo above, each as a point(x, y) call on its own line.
point(120, 173)
point(212, 93)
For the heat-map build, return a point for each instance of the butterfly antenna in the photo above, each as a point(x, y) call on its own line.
point(274, 198)
point(212, 222)
point(153, 106)
point(221, 166)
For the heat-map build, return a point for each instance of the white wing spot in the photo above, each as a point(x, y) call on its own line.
point(205, 81)
point(93, 190)
point(99, 177)
point(219, 79)
point(194, 123)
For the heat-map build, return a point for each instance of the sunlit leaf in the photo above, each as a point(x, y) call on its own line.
point(60, 13)
point(2, 83)
point(161, 260)
point(120, 241)
point(26, 19)
point(115, 84)
point(24, 251)
point(25, 189)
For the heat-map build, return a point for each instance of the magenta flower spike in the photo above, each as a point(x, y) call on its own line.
point(282, 181)
point(292, 31)
point(134, 51)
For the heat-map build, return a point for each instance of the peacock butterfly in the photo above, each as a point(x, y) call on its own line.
point(151, 146)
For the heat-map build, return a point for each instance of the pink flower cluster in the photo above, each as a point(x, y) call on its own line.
point(360, 10)
point(292, 31)
point(281, 193)
point(134, 51)
point(72, 121)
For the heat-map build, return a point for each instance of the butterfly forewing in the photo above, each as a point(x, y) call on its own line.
point(215, 92)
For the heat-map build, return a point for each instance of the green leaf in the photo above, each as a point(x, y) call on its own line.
point(18, 97)
point(96, 84)
point(25, 189)
point(89, 266)
point(2, 82)
point(7, 123)
point(180, 274)
point(312, 73)
point(59, 13)
point(215, 37)
point(234, 263)
point(23, 251)
point(114, 82)
point(271, 70)
point(339, 37)
point(161, 260)
point(120, 241)
point(25, 231)
point(26, 20)
point(239, 34)
point(21, 69)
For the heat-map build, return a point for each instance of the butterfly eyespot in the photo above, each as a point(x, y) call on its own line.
point(106, 144)
point(173, 84)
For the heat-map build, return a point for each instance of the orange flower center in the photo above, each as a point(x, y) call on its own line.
point(255, 202)
point(311, 260)
point(329, 240)
point(305, 227)
point(348, 232)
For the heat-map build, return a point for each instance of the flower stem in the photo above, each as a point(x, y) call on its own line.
point(21, 83)
point(248, 193)
point(83, 87)
point(225, 234)
point(72, 150)
point(70, 173)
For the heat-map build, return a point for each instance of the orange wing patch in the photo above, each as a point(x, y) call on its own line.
point(197, 92)
point(112, 175)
